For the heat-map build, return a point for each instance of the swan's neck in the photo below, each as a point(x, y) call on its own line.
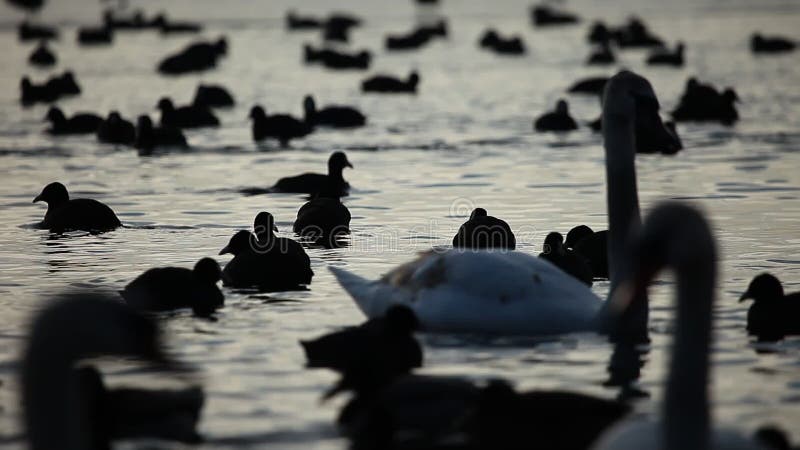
point(686, 411)
point(623, 214)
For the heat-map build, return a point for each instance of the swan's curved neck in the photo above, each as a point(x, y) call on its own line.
point(623, 214)
point(686, 409)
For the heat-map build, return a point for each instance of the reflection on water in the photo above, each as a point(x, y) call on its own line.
point(422, 164)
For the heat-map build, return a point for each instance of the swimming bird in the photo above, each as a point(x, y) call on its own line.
point(773, 314)
point(544, 15)
point(27, 31)
point(264, 260)
point(484, 232)
point(42, 56)
point(337, 27)
point(416, 38)
point(213, 96)
point(64, 84)
point(493, 41)
point(514, 293)
point(295, 21)
point(102, 35)
point(149, 137)
point(54, 88)
point(196, 57)
point(80, 123)
point(565, 259)
point(323, 218)
point(592, 246)
point(334, 59)
point(311, 183)
point(702, 102)
point(664, 57)
point(167, 288)
point(282, 127)
point(369, 355)
point(65, 214)
point(116, 130)
point(69, 408)
point(187, 116)
point(558, 120)
point(167, 26)
point(601, 55)
point(390, 84)
point(678, 237)
point(336, 116)
point(592, 85)
point(635, 34)
point(771, 44)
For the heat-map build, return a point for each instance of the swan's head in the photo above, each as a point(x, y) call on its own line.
point(54, 193)
point(478, 212)
point(630, 97)
point(765, 287)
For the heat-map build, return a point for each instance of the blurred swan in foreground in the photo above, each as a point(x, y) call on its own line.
point(513, 292)
point(677, 236)
point(68, 408)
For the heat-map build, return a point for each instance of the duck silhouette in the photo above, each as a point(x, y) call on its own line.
point(80, 123)
point(483, 231)
point(390, 84)
point(281, 127)
point(332, 183)
point(116, 130)
point(335, 116)
point(188, 116)
point(42, 56)
point(65, 214)
point(773, 313)
point(557, 120)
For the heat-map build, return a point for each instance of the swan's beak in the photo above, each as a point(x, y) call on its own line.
point(653, 136)
point(226, 249)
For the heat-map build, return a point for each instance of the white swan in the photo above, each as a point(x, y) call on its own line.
point(678, 237)
point(512, 292)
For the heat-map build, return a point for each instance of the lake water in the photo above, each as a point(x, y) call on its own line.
point(422, 163)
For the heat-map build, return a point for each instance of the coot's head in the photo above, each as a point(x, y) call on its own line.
point(757, 38)
point(257, 112)
point(338, 161)
point(730, 96)
point(144, 123)
point(413, 78)
point(114, 117)
point(553, 243)
point(478, 212)
point(764, 287)
point(53, 194)
point(562, 107)
point(400, 319)
point(165, 104)
point(264, 225)
point(54, 114)
point(239, 243)
point(25, 83)
point(631, 96)
point(309, 106)
point(576, 234)
point(221, 46)
point(680, 48)
point(207, 270)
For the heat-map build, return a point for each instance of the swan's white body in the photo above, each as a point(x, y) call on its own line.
point(480, 291)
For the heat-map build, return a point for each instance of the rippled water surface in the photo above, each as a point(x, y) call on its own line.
point(421, 165)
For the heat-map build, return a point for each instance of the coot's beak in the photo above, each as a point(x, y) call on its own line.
point(226, 249)
point(745, 296)
point(347, 164)
point(38, 198)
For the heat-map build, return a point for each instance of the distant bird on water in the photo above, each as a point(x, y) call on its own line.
point(281, 127)
point(390, 84)
point(484, 232)
point(558, 120)
point(81, 123)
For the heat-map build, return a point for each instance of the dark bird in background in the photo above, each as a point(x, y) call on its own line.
point(492, 40)
point(65, 214)
point(67, 407)
point(80, 123)
point(335, 116)
point(197, 57)
point(55, 88)
point(484, 232)
point(168, 288)
point(213, 96)
point(771, 44)
point(592, 246)
point(565, 259)
point(116, 130)
point(42, 56)
point(664, 57)
point(323, 219)
point(337, 27)
point(334, 59)
point(295, 21)
point(101, 35)
point(149, 138)
point(389, 84)
point(601, 55)
point(281, 127)
point(27, 31)
point(773, 314)
point(416, 38)
point(544, 15)
point(704, 103)
point(265, 261)
point(557, 120)
point(311, 183)
point(188, 116)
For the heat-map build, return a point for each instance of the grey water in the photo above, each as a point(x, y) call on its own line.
point(421, 164)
